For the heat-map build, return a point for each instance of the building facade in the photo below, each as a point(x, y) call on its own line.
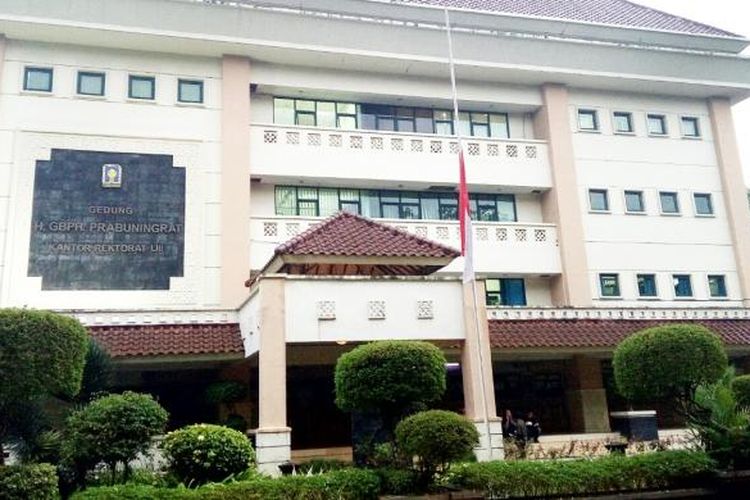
point(165, 166)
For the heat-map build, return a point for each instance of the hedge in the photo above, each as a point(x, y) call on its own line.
point(28, 482)
point(345, 484)
point(741, 388)
point(651, 471)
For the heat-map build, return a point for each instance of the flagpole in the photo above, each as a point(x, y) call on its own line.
point(478, 327)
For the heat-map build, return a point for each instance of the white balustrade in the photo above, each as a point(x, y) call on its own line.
point(619, 313)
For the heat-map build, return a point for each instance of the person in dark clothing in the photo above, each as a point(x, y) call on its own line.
point(509, 425)
point(533, 430)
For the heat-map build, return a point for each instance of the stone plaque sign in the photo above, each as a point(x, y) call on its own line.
point(107, 221)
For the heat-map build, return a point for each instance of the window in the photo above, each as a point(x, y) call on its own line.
point(392, 204)
point(37, 79)
point(142, 87)
point(634, 202)
point(90, 83)
point(690, 127)
point(657, 124)
point(598, 200)
point(309, 113)
point(587, 120)
point(682, 285)
point(669, 202)
point(622, 122)
point(646, 285)
point(609, 285)
point(703, 204)
point(717, 286)
point(190, 91)
point(505, 292)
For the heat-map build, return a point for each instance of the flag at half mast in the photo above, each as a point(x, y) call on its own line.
point(464, 218)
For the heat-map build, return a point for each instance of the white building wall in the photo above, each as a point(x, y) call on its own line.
point(33, 123)
point(617, 242)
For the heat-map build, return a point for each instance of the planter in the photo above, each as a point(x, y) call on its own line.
point(636, 425)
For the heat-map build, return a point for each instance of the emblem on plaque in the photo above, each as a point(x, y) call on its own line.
point(111, 175)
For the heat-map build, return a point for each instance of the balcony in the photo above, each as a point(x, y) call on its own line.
point(279, 153)
point(500, 247)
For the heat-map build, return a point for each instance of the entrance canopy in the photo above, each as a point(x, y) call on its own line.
point(351, 245)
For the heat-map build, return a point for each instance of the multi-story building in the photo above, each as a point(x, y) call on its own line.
point(164, 165)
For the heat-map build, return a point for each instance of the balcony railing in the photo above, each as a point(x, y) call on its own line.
point(501, 247)
point(334, 153)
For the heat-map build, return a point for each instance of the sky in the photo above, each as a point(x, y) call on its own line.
point(731, 15)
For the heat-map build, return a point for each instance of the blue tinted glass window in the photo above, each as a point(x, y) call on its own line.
point(609, 285)
point(682, 285)
point(90, 83)
point(703, 205)
point(142, 87)
point(647, 285)
point(669, 203)
point(190, 91)
point(717, 285)
point(598, 199)
point(38, 79)
point(512, 292)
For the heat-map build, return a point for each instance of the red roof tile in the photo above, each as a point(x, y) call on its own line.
point(169, 340)
point(613, 12)
point(525, 334)
point(350, 235)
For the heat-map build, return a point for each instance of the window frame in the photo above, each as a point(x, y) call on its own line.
point(133, 78)
point(641, 296)
point(676, 194)
point(696, 121)
point(710, 197)
point(665, 124)
point(79, 79)
point(631, 123)
point(595, 118)
point(501, 294)
point(689, 277)
point(191, 81)
point(641, 197)
point(48, 70)
point(723, 278)
point(602, 277)
point(607, 208)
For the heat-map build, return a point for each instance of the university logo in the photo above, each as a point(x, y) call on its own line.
point(111, 175)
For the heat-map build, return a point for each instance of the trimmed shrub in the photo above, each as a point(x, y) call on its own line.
point(345, 484)
point(741, 389)
point(668, 361)
point(28, 482)
point(203, 453)
point(557, 478)
point(113, 429)
point(392, 374)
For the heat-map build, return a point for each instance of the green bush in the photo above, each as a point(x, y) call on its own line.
point(668, 361)
point(227, 391)
point(436, 438)
point(397, 481)
point(113, 429)
point(611, 474)
point(345, 484)
point(741, 388)
point(28, 482)
point(203, 453)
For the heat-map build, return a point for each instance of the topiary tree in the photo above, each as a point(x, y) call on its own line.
point(204, 453)
point(668, 362)
point(43, 353)
point(436, 438)
point(97, 373)
point(113, 429)
point(741, 389)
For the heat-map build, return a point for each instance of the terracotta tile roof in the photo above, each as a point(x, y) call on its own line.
point(613, 12)
point(169, 340)
point(529, 334)
point(346, 234)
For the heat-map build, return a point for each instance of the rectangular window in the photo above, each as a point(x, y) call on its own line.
point(283, 111)
point(646, 285)
point(587, 120)
point(690, 127)
point(90, 83)
point(190, 91)
point(622, 122)
point(609, 285)
point(142, 87)
point(669, 202)
point(634, 202)
point(506, 208)
point(499, 126)
point(657, 124)
point(37, 79)
point(717, 285)
point(598, 200)
point(505, 292)
point(703, 204)
point(286, 200)
point(682, 285)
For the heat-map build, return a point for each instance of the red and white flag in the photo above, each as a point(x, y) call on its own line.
point(464, 218)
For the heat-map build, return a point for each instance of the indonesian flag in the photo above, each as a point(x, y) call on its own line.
point(464, 218)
